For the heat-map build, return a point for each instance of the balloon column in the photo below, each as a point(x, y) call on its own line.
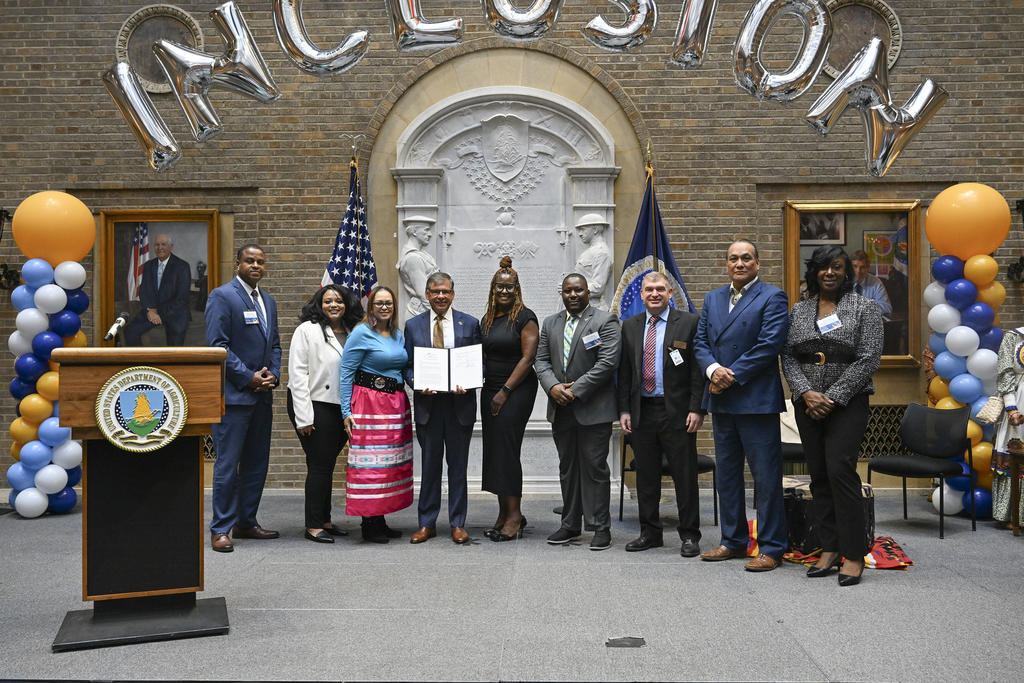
point(966, 223)
point(55, 231)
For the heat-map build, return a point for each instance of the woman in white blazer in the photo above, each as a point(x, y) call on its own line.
point(314, 361)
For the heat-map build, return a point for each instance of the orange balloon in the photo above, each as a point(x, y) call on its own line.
point(78, 340)
point(985, 479)
point(982, 456)
point(948, 403)
point(974, 432)
point(938, 388)
point(931, 403)
point(993, 294)
point(16, 450)
point(54, 226)
point(967, 219)
point(34, 408)
point(48, 386)
point(981, 269)
point(24, 431)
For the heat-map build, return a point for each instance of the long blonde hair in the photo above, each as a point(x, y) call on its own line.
point(504, 268)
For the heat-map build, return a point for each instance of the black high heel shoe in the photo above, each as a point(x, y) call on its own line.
point(850, 579)
point(818, 572)
point(499, 537)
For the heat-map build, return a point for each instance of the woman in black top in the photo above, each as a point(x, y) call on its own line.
point(510, 335)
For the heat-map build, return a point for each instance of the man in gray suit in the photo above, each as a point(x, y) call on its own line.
point(576, 361)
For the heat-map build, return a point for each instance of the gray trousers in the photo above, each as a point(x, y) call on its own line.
point(583, 471)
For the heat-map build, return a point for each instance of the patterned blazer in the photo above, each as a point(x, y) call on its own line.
point(859, 338)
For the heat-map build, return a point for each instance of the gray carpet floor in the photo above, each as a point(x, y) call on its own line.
point(525, 610)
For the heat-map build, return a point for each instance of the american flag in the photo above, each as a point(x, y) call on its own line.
point(351, 264)
point(140, 254)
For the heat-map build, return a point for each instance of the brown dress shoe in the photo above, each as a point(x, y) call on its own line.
point(762, 563)
point(721, 553)
point(257, 532)
point(459, 535)
point(422, 534)
point(221, 543)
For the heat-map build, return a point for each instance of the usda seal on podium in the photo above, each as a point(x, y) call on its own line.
point(141, 409)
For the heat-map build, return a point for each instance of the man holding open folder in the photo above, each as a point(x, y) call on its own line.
point(444, 420)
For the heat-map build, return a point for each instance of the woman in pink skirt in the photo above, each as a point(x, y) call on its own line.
point(377, 418)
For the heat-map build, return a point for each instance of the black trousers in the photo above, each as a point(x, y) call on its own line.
point(322, 447)
point(831, 447)
point(654, 435)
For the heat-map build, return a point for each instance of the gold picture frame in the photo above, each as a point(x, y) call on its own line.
point(889, 232)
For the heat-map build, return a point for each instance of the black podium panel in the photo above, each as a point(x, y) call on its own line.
point(143, 513)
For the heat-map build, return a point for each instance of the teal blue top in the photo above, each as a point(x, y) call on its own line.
point(370, 352)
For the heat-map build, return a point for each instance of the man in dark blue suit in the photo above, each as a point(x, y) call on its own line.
point(741, 332)
point(242, 318)
point(164, 292)
point(444, 421)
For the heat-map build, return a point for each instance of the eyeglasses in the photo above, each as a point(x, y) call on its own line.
point(445, 292)
point(383, 304)
point(504, 288)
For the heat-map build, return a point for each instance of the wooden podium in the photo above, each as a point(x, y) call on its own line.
point(142, 512)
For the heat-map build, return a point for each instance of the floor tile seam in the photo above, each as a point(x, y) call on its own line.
point(792, 636)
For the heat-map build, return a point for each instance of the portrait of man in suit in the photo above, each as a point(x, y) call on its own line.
point(660, 389)
point(577, 356)
point(242, 319)
point(741, 332)
point(164, 293)
point(444, 421)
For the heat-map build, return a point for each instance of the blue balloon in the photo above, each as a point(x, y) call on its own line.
point(78, 301)
point(982, 503)
point(947, 268)
point(20, 477)
point(978, 317)
point(977, 405)
point(66, 323)
point(949, 365)
point(36, 272)
point(965, 388)
point(35, 455)
point(20, 388)
point(961, 293)
point(10, 498)
point(63, 501)
point(988, 432)
point(937, 343)
point(961, 483)
point(23, 297)
point(44, 343)
point(991, 339)
point(52, 434)
point(29, 367)
point(74, 475)
point(56, 408)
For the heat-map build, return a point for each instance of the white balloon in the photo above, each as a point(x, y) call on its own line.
point(962, 340)
point(31, 322)
point(943, 318)
point(68, 455)
point(51, 299)
point(983, 364)
point(51, 479)
point(17, 344)
point(988, 386)
point(31, 503)
point(69, 275)
point(934, 294)
point(952, 501)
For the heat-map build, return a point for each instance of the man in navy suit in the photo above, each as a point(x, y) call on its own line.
point(741, 332)
point(165, 289)
point(444, 421)
point(242, 318)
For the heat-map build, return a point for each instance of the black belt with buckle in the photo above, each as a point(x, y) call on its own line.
point(820, 358)
point(388, 385)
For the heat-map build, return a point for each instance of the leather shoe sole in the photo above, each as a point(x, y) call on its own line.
point(643, 543)
point(221, 543)
point(722, 553)
point(257, 532)
point(422, 534)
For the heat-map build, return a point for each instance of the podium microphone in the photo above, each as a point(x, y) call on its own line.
point(119, 322)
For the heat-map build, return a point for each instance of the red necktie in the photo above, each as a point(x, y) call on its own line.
point(650, 355)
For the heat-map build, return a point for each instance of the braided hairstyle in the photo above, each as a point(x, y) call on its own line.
point(504, 268)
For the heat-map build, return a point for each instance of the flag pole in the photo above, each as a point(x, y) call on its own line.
point(649, 168)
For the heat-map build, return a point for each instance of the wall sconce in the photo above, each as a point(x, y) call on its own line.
point(9, 277)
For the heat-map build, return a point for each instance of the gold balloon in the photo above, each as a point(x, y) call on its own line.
point(982, 456)
point(16, 450)
point(993, 294)
point(24, 431)
point(948, 403)
point(77, 341)
point(34, 408)
point(48, 386)
point(967, 219)
point(54, 226)
point(981, 269)
point(938, 388)
point(974, 432)
point(985, 479)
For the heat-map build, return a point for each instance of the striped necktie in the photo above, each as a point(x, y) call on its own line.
point(259, 311)
point(570, 329)
point(648, 371)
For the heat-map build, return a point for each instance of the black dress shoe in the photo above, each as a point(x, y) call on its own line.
point(335, 531)
point(319, 537)
point(392, 533)
point(849, 579)
point(643, 543)
point(818, 572)
point(499, 537)
point(690, 548)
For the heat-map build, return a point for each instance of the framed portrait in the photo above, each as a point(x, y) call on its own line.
point(882, 238)
point(176, 290)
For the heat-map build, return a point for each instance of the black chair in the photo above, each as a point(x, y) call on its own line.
point(704, 464)
point(935, 438)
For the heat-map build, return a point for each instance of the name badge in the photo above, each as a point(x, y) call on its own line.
point(677, 358)
point(250, 318)
point(829, 323)
point(679, 344)
point(591, 340)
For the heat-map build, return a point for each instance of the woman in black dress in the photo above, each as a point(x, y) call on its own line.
point(510, 335)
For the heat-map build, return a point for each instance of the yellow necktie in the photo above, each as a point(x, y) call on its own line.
point(438, 333)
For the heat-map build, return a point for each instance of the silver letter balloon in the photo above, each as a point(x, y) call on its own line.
point(412, 32)
point(161, 148)
point(641, 18)
point(522, 25)
point(295, 42)
point(693, 32)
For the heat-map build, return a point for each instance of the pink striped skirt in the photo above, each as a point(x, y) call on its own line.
point(379, 478)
